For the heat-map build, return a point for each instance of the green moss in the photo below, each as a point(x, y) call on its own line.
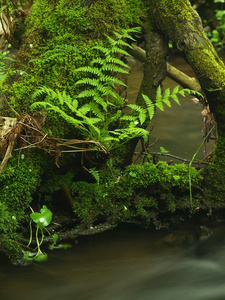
point(141, 192)
point(214, 177)
point(18, 181)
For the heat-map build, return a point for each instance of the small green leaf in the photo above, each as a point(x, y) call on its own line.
point(176, 177)
point(163, 150)
point(43, 218)
point(55, 238)
point(132, 174)
point(41, 257)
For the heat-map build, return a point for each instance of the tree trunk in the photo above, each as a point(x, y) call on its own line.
point(180, 24)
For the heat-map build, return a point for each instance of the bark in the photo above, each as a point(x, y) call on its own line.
point(181, 78)
point(180, 23)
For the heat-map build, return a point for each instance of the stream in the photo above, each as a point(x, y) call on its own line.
point(124, 264)
point(130, 263)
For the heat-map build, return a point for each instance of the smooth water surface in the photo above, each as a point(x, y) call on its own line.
point(180, 128)
point(124, 264)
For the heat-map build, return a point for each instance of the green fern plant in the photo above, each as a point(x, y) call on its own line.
point(59, 51)
point(102, 70)
point(139, 114)
point(97, 108)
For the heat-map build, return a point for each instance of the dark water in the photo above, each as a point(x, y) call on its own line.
point(180, 128)
point(125, 264)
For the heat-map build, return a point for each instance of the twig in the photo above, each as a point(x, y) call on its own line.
point(8, 153)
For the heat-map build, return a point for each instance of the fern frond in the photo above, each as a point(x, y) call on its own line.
point(94, 108)
point(119, 51)
point(128, 118)
point(102, 49)
point(89, 69)
point(97, 60)
point(115, 117)
point(90, 81)
point(131, 133)
point(114, 68)
point(150, 106)
point(132, 30)
point(159, 104)
point(88, 93)
point(111, 40)
point(166, 97)
point(43, 90)
point(159, 94)
point(62, 113)
point(116, 61)
point(141, 112)
point(112, 80)
point(191, 92)
point(95, 174)
point(98, 99)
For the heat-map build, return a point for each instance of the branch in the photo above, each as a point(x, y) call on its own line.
point(172, 72)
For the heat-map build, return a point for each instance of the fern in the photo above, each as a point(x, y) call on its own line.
point(95, 174)
point(101, 106)
point(55, 53)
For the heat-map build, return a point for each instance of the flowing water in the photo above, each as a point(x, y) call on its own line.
point(124, 264)
point(130, 263)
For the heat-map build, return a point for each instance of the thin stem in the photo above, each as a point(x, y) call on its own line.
point(190, 164)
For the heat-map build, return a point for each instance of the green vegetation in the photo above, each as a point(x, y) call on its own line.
point(42, 219)
point(72, 71)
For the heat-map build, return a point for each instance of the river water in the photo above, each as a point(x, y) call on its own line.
point(180, 128)
point(123, 264)
point(132, 263)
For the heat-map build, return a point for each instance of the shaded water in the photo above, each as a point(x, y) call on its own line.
point(125, 264)
point(180, 128)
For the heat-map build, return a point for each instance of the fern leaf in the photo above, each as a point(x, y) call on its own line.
point(166, 97)
point(98, 60)
point(175, 90)
point(150, 106)
point(159, 93)
point(90, 81)
point(89, 69)
point(112, 80)
point(114, 68)
point(111, 40)
point(119, 51)
point(175, 98)
point(95, 174)
point(98, 99)
point(88, 93)
point(159, 104)
point(115, 117)
point(142, 116)
point(132, 30)
point(102, 49)
point(94, 108)
point(116, 61)
point(128, 118)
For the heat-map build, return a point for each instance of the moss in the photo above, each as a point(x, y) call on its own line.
point(214, 177)
point(18, 182)
point(140, 193)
